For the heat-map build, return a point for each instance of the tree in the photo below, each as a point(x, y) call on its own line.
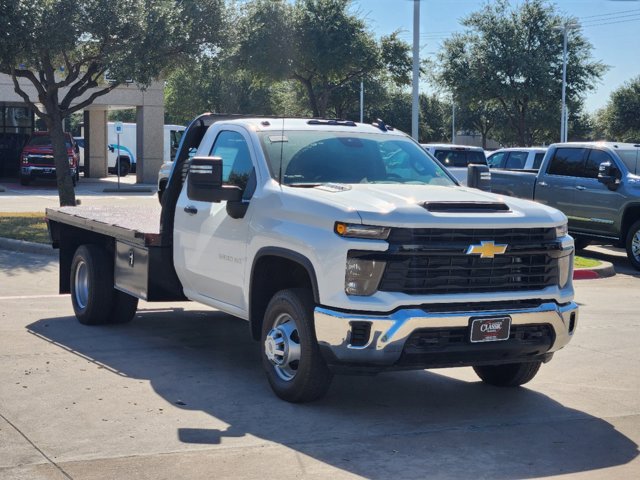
point(513, 57)
point(63, 48)
point(319, 45)
point(621, 116)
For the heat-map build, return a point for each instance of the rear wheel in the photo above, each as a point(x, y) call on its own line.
point(125, 167)
point(290, 356)
point(633, 245)
point(25, 181)
point(95, 301)
point(510, 375)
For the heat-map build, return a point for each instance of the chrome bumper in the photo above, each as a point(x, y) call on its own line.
point(390, 332)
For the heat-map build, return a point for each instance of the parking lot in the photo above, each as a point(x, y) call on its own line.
point(179, 393)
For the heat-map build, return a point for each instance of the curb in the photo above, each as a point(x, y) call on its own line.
point(27, 247)
point(129, 190)
point(601, 271)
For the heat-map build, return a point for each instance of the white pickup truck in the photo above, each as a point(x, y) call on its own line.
point(344, 246)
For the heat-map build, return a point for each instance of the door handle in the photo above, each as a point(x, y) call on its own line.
point(191, 210)
point(580, 187)
point(543, 184)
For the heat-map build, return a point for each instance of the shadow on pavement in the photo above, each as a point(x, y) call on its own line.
point(375, 427)
point(13, 263)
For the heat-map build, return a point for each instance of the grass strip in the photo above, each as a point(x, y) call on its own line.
point(582, 262)
point(27, 226)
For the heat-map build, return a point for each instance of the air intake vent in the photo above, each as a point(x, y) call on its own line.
point(466, 207)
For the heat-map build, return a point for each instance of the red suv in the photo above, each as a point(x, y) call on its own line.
point(36, 160)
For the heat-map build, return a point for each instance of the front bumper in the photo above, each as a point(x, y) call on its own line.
point(42, 172)
point(386, 345)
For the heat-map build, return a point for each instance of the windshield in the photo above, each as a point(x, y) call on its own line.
point(317, 157)
point(44, 141)
point(630, 159)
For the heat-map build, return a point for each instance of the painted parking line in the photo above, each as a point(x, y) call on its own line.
point(34, 297)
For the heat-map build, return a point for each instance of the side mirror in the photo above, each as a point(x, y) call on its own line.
point(204, 182)
point(609, 175)
point(479, 176)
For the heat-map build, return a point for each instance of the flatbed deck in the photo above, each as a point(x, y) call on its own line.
point(136, 224)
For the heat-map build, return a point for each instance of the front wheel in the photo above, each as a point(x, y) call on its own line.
point(290, 356)
point(510, 375)
point(633, 245)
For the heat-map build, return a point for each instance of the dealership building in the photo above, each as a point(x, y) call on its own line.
point(17, 122)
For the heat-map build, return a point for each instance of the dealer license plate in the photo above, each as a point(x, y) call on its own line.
point(47, 170)
point(490, 329)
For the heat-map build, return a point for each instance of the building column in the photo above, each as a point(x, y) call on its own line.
point(149, 143)
point(95, 153)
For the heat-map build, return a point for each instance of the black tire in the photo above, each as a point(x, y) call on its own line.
point(161, 188)
point(509, 375)
point(307, 378)
point(124, 307)
point(125, 167)
point(95, 301)
point(25, 181)
point(633, 245)
point(581, 243)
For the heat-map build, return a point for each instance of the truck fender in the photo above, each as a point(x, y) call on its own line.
point(260, 291)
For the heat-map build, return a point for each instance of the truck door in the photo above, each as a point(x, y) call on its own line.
point(556, 186)
point(209, 245)
point(596, 207)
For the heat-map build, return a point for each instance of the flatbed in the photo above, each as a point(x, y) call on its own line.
point(143, 262)
point(137, 225)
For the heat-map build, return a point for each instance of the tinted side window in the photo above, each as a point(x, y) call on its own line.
point(567, 162)
point(596, 157)
point(517, 160)
point(496, 160)
point(236, 160)
point(537, 161)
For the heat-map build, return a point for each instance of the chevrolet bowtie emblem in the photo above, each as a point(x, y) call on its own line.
point(486, 249)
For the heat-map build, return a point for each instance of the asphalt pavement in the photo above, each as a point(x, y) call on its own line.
point(179, 394)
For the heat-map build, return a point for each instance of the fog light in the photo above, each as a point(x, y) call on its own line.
point(363, 276)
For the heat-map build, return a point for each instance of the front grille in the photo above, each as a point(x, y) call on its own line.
point(428, 236)
point(426, 261)
point(40, 159)
point(441, 274)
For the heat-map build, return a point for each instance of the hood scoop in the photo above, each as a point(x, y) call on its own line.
point(467, 207)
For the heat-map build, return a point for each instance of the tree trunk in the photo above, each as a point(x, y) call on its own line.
point(64, 180)
point(313, 101)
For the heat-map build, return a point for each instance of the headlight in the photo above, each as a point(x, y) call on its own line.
point(363, 276)
point(354, 230)
point(562, 230)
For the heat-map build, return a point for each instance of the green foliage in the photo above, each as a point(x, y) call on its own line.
point(512, 57)
point(620, 119)
point(319, 45)
point(64, 48)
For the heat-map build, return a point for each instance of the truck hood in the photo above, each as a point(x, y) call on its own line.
point(404, 205)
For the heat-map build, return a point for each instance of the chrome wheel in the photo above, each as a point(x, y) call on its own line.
point(81, 283)
point(635, 245)
point(282, 347)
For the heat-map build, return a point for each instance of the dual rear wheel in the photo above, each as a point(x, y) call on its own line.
point(94, 298)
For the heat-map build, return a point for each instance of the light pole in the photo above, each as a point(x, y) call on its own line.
point(564, 117)
point(416, 69)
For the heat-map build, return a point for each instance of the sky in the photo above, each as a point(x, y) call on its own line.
point(612, 27)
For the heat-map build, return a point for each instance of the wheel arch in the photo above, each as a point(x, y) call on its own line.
point(275, 269)
point(629, 217)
